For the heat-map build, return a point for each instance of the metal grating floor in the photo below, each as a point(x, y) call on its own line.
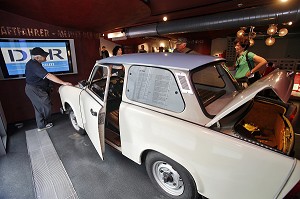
point(50, 178)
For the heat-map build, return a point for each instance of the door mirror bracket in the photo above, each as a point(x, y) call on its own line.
point(82, 83)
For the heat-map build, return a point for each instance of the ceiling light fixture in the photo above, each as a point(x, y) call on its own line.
point(165, 18)
point(270, 41)
point(272, 31)
point(251, 35)
point(241, 32)
point(282, 32)
point(251, 41)
point(117, 36)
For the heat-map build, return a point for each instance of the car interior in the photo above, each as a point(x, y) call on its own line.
point(276, 135)
point(254, 125)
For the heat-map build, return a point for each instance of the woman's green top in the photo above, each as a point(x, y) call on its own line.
point(242, 66)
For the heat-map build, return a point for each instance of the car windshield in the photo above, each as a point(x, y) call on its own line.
point(214, 86)
point(99, 79)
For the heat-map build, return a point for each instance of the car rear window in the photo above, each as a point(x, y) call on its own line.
point(208, 76)
point(209, 84)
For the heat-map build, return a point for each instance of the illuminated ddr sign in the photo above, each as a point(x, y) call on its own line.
point(16, 53)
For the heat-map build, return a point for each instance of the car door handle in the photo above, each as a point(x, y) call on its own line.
point(93, 112)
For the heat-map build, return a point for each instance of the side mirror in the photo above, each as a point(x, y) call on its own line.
point(82, 83)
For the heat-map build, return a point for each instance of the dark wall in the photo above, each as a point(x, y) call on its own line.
point(16, 105)
point(202, 46)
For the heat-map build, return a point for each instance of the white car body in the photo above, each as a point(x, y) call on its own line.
point(221, 164)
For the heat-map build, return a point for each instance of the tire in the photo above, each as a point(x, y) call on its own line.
point(73, 120)
point(169, 177)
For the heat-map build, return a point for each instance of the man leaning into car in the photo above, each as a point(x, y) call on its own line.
point(38, 87)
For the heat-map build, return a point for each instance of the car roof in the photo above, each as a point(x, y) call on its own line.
point(165, 60)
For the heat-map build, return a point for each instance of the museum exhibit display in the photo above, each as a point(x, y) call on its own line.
point(199, 122)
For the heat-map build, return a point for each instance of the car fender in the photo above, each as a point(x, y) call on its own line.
point(292, 180)
point(70, 95)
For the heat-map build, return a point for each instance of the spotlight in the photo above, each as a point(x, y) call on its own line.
point(251, 42)
point(283, 32)
point(270, 41)
point(241, 32)
point(272, 29)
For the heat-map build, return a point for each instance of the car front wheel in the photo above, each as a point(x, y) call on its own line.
point(73, 120)
point(169, 177)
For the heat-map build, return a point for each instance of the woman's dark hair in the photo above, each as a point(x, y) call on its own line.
point(243, 41)
point(115, 50)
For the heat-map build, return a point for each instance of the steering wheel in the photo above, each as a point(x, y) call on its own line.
point(116, 88)
point(98, 89)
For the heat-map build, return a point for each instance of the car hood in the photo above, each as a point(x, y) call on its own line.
point(280, 81)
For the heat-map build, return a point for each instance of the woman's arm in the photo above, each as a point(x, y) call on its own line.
point(259, 62)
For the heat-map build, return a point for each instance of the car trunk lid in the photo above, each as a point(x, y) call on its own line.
point(280, 81)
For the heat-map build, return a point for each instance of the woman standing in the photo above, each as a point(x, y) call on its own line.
point(117, 51)
point(117, 70)
point(247, 63)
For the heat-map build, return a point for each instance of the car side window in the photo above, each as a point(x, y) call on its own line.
point(154, 86)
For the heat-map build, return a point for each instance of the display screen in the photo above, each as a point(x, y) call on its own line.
point(15, 53)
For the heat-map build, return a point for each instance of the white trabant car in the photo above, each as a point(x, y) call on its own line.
point(186, 119)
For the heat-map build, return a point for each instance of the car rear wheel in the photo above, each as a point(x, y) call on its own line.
point(169, 177)
point(73, 120)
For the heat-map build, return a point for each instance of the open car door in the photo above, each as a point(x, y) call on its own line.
point(93, 106)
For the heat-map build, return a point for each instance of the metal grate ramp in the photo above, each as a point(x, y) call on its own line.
point(50, 178)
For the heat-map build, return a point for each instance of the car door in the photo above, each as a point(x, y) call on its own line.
point(93, 107)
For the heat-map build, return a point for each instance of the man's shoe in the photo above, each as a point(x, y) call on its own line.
point(48, 126)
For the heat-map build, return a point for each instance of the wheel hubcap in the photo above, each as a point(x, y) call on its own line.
point(74, 121)
point(168, 178)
